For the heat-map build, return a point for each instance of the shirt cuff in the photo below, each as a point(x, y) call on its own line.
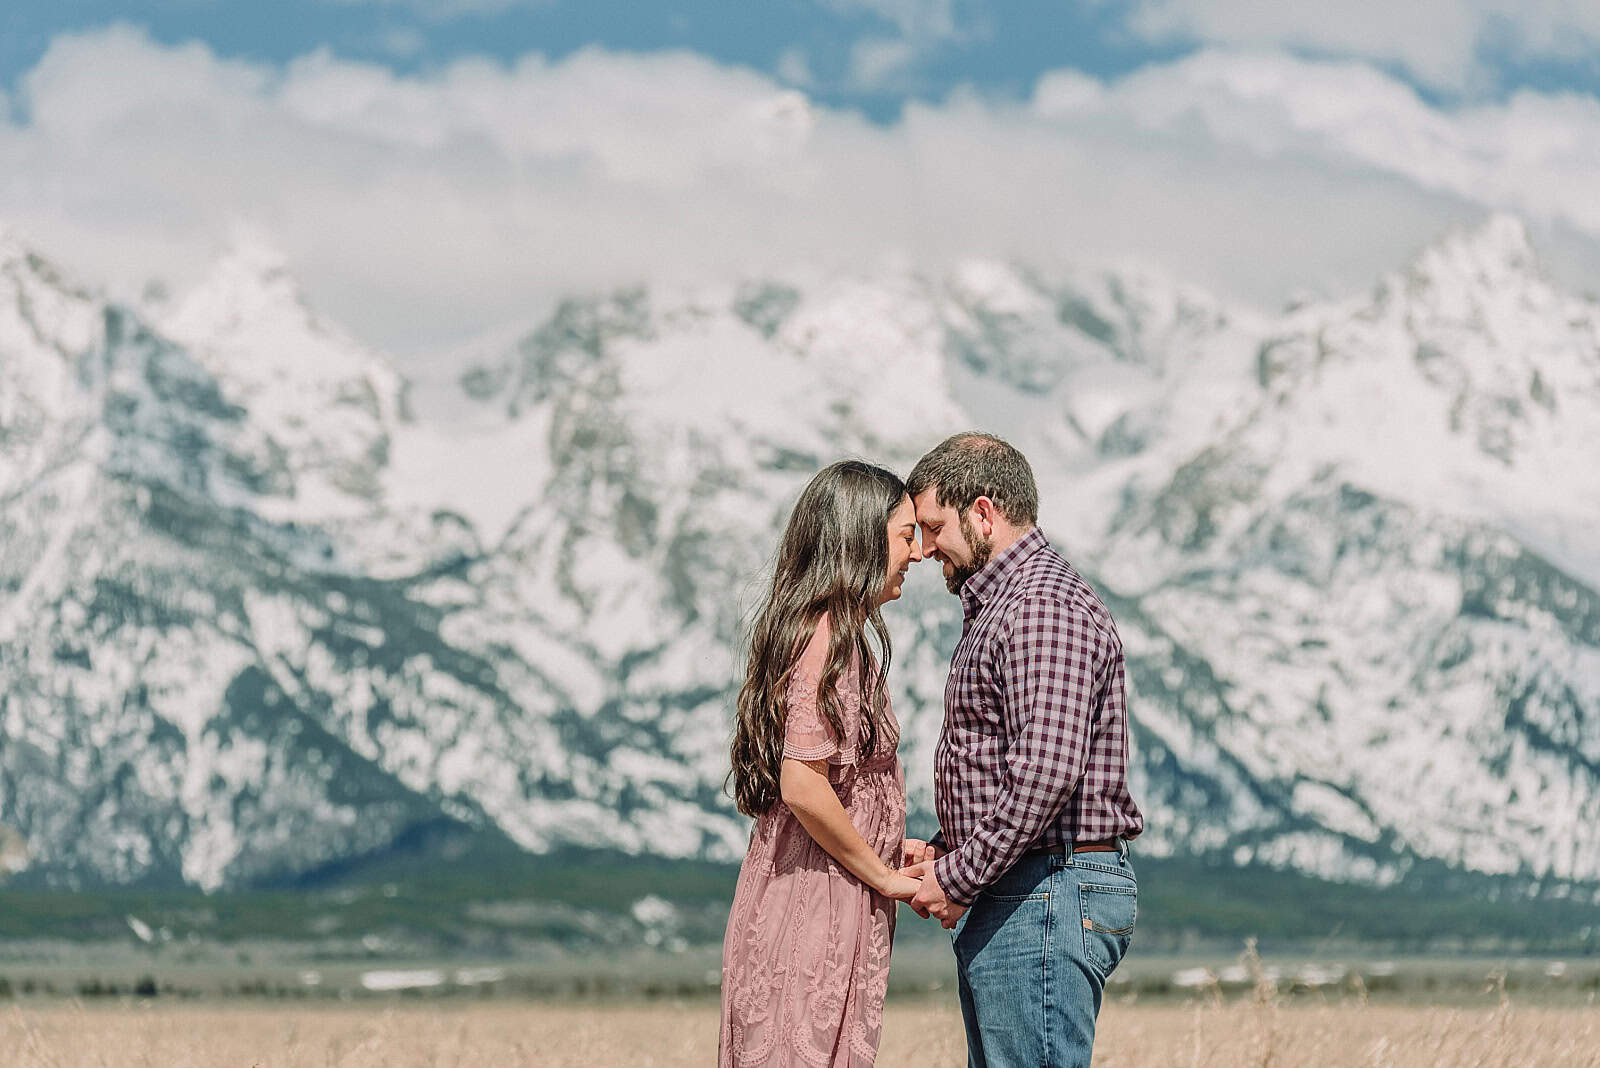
point(953, 881)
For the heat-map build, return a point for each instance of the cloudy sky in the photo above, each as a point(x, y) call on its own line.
point(434, 168)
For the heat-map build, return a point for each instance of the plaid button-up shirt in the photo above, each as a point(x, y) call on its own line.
point(1034, 751)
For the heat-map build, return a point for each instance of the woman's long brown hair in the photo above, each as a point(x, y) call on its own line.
point(833, 559)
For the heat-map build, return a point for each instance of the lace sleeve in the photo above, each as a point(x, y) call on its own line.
point(807, 733)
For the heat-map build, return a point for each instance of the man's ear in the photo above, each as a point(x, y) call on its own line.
point(986, 513)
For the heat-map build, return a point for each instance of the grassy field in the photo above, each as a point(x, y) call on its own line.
point(924, 1033)
point(209, 974)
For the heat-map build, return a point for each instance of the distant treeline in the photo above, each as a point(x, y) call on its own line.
point(503, 902)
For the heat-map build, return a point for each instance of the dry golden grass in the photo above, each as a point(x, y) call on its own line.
point(1204, 1035)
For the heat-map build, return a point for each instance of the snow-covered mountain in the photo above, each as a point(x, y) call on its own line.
point(257, 618)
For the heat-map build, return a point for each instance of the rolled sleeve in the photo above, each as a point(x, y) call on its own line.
point(1051, 657)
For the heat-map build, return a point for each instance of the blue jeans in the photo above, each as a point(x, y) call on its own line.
point(1033, 954)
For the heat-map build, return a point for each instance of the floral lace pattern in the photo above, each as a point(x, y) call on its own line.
point(805, 962)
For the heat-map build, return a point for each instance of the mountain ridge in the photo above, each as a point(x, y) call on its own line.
point(279, 620)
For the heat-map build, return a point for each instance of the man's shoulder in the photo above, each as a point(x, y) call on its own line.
point(1050, 584)
point(1046, 576)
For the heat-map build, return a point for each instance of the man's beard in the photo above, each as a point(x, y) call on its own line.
point(982, 548)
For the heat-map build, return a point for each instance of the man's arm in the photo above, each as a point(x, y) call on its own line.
point(1053, 657)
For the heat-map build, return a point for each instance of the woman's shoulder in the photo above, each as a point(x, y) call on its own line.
point(814, 658)
point(820, 633)
point(814, 651)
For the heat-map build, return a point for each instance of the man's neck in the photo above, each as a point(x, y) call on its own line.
point(1005, 536)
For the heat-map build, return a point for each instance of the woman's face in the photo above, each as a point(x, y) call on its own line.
point(903, 550)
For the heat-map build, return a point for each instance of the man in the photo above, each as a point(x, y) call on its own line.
point(1030, 866)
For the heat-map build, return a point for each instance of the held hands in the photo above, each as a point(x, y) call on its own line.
point(917, 886)
point(930, 899)
point(915, 851)
point(901, 885)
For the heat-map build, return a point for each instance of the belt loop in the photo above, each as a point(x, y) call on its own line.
point(1122, 849)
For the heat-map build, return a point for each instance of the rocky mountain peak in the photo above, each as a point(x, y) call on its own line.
point(44, 306)
point(1491, 252)
point(250, 318)
point(239, 655)
point(326, 403)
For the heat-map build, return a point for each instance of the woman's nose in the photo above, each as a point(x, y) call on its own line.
point(916, 551)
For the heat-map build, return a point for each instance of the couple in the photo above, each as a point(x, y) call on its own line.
point(1030, 866)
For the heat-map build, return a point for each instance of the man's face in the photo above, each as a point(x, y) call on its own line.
point(950, 537)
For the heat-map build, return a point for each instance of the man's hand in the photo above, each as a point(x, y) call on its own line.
point(915, 872)
point(915, 851)
point(930, 900)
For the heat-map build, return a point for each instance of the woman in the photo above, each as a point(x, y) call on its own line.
point(805, 961)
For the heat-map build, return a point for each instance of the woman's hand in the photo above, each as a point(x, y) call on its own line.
point(915, 851)
point(900, 887)
point(810, 796)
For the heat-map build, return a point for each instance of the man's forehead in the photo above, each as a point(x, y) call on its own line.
point(928, 506)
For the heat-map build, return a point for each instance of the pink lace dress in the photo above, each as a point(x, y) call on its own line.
point(805, 962)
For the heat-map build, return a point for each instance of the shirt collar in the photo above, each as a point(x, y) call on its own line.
point(998, 572)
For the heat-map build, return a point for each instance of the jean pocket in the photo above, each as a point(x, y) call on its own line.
point(1087, 865)
point(1109, 913)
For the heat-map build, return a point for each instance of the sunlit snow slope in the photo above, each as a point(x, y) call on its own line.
point(257, 618)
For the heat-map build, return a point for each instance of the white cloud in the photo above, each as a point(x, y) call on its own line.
point(879, 62)
point(421, 209)
point(917, 20)
point(885, 63)
point(402, 42)
point(1440, 42)
point(446, 10)
point(1536, 154)
point(794, 67)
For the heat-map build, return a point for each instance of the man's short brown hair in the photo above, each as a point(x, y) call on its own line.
point(972, 464)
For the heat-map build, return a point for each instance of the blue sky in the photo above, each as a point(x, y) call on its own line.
point(433, 168)
point(999, 48)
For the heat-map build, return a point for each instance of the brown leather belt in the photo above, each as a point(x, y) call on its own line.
point(1104, 845)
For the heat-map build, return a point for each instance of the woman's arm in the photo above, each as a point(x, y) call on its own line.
point(806, 790)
